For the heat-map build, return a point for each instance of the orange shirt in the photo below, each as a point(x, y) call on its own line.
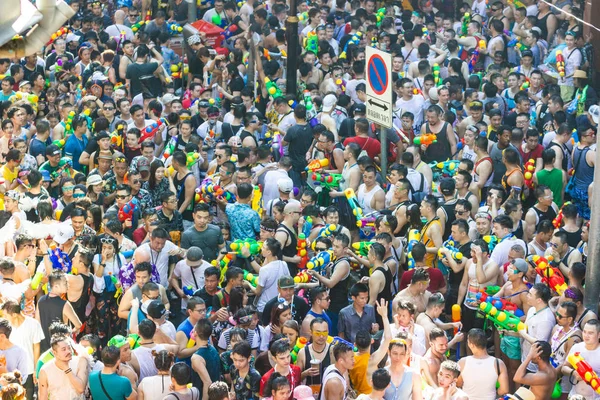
point(358, 374)
point(429, 259)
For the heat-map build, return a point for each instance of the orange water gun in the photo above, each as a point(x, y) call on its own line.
point(315, 165)
point(302, 251)
point(557, 222)
point(551, 276)
point(585, 371)
point(425, 139)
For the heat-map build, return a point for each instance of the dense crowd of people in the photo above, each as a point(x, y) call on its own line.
point(176, 223)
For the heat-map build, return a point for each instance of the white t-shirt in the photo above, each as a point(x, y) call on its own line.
point(111, 268)
point(271, 190)
point(169, 329)
point(593, 358)
point(500, 253)
point(160, 259)
point(25, 336)
point(539, 325)
point(419, 347)
point(11, 290)
point(415, 106)
point(267, 278)
point(184, 272)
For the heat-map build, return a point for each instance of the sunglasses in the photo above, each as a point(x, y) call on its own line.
point(66, 188)
point(120, 196)
point(106, 240)
point(320, 333)
point(108, 109)
point(79, 195)
point(559, 316)
point(136, 182)
point(120, 159)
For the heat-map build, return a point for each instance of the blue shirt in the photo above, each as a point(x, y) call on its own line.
point(74, 148)
point(117, 387)
point(37, 147)
point(187, 328)
point(244, 221)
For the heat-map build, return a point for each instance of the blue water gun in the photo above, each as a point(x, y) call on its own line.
point(307, 228)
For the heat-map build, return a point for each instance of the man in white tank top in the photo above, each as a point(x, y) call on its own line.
point(480, 372)
point(64, 377)
point(335, 378)
point(371, 196)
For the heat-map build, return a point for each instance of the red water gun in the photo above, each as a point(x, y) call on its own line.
point(127, 211)
point(585, 371)
point(302, 277)
point(500, 303)
point(301, 247)
point(551, 276)
point(529, 171)
point(153, 129)
point(557, 222)
point(230, 31)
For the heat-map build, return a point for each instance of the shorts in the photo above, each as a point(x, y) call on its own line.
point(511, 346)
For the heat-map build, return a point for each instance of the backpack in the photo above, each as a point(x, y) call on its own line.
point(418, 195)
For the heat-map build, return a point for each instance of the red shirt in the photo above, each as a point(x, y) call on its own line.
point(139, 235)
point(293, 378)
point(368, 144)
point(535, 154)
point(436, 279)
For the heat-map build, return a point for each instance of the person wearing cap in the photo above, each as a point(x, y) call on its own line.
point(286, 187)
point(190, 272)
point(273, 175)
point(285, 294)
point(108, 382)
point(156, 312)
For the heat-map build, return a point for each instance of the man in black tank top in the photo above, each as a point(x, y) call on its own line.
point(381, 278)
point(446, 141)
point(314, 358)
point(286, 235)
point(446, 212)
point(542, 210)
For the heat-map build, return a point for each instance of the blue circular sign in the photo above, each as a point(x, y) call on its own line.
point(378, 75)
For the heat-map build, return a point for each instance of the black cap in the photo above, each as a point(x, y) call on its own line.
point(156, 309)
point(526, 53)
point(52, 150)
point(447, 186)
point(102, 135)
point(360, 109)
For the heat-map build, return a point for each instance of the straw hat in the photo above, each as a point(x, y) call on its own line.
point(522, 394)
point(580, 74)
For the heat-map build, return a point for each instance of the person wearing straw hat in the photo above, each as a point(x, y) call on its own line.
point(541, 383)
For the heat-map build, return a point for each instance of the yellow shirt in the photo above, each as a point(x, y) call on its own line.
point(8, 177)
point(358, 374)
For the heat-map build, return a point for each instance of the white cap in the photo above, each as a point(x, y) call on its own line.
point(168, 98)
point(329, 102)
point(63, 233)
point(433, 94)
point(595, 113)
point(285, 185)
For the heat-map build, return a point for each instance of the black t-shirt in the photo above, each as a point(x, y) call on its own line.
point(299, 137)
point(347, 128)
point(299, 309)
point(510, 119)
point(236, 84)
point(142, 77)
point(28, 72)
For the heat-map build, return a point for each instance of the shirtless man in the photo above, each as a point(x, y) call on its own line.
point(447, 377)
point(435, 356)
point(540, 383)
point(429, 320)
point(416, 292)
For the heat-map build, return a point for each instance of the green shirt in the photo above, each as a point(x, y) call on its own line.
point(554, 180)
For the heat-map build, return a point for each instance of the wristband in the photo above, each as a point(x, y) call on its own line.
point(68, 371)
point(251, 258)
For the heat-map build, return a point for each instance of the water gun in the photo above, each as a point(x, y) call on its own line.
point(417, 91)
point(116, 137)
point(521, 46)
point(188, 290)
point(482, 44)
point(252, 245)
point(212, 192)
point(307, 227)
point(230, 31)
point(362, 248)
point(436, 75)
point(585, 371)
point(447, 168)
point(366, 222)
point(302, 277)
point(61, 32)
point(174, 28)
point(465, 24)
point(328, 181)
point(257, 202)
point(355, 40)
point(474, 59)
point(557, 222)
point(353, 201)
point(60, 143)
point(59, 259)
point(529, 171)
point(380, 16)
point(320, 260)
point(551, 276)
point(341, 84)
point(303, 17)
point(517, 3)
point(374, 42)
point(425, 34)
point(251, 278)
point(328, 231)
point(524, 86)
point(333, 340)
point(300, 343)
point(69, 123)
point(456, 318)
point(302, 251)
point(128, 211)
point(560, 63)
point(499, 303)
point(492, 241)
point(512, 42)
point(117, 285)
point(192, 340)
point(502, 319)
point(205, 3)
point(37, 279)
point(455, 253)
point(152, 129)
point(310, 108)
point(425, 139)
point(273, 89)
point(414, 237)
point(191, 159)
point(137, 26)
point(170, 148)
point(223, 264)
point(315, 165)
point(311, 42)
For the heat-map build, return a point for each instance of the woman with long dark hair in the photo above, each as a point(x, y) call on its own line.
point(273, 268)
point(158, 183)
